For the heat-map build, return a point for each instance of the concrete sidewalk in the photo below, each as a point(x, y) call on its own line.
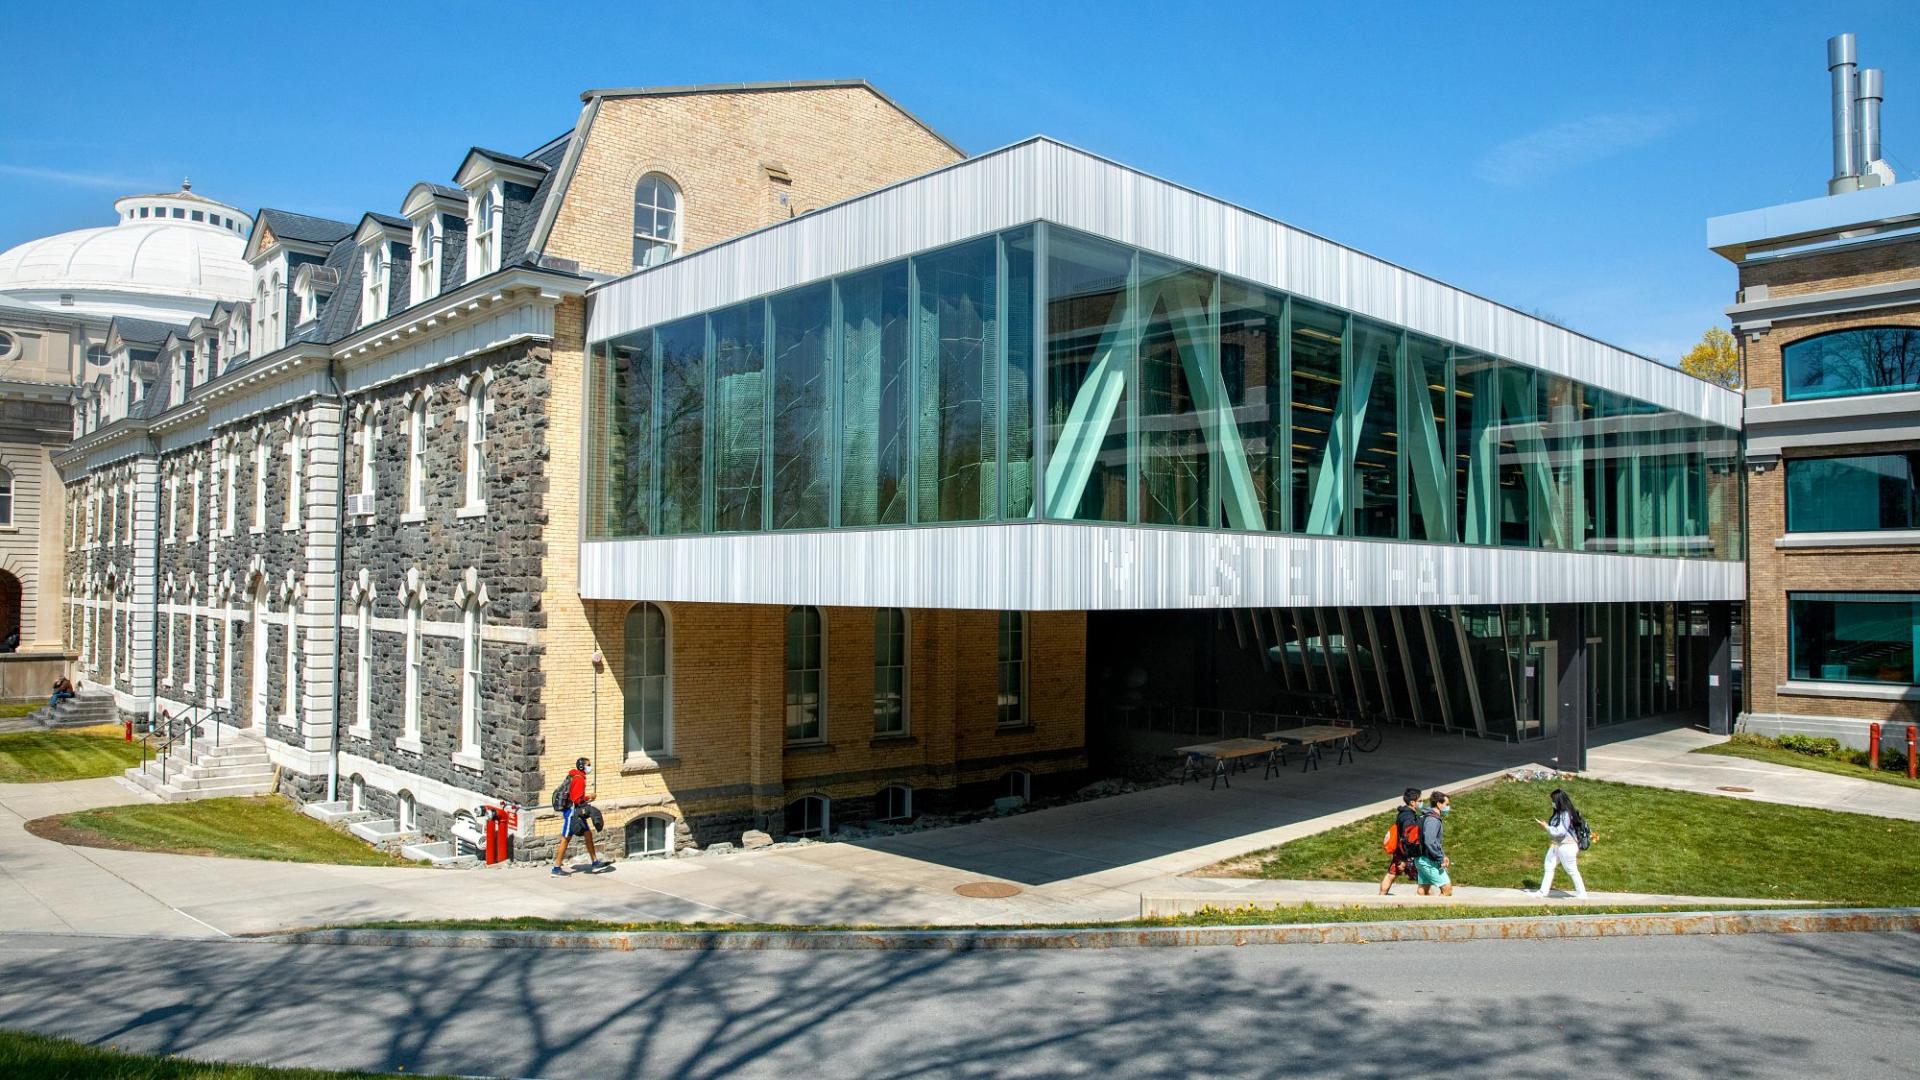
point(1085, 862)
point(1665, 759)
point(1189, 895)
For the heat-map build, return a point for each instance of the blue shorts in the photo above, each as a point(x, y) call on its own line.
point(575, 823)
point(1429, 871)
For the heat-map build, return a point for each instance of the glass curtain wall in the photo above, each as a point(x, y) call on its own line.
point(1166, 395)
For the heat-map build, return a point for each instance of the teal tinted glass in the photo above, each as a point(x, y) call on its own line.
point(1853, 494)
point(802, 415)
point(1018, 303)
point(681, 406)
point(1853, 637)
point(1319, 479)
point(956, 420)
point(1090, 352)
point(1866, 360)
point(1179, 386)
point(1252, 379)
point(1424, 442)
point(875, 389)
point(739, 416)
point(1374, 402)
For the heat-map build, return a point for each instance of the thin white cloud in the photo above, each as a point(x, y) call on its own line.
point(73, 179)
point(1538, 154)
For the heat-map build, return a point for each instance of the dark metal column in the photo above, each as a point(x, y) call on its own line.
point(1570, 684)
point(1720, 669)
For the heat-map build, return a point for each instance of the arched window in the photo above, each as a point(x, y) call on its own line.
point(894, 803)
point(409, 815)
point(290, 711)
point(471, 658)
point(357, 793)
point(416, 452)
point(476, 441)
point(483, 234)
point(363, 664)
point(1865, 360)
point(889, 672)
point(656, 220)
point(646, 676)
point(806, 663)
point(809, 815)
point(651, 835)
point(412, 676)
point(6, 496)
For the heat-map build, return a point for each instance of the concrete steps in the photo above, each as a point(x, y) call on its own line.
point(383, 833)
point(238, 766)
point(441, 853)
point(336, 813)
point(88, 708)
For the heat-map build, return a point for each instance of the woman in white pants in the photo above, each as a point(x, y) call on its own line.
point(1562, 847)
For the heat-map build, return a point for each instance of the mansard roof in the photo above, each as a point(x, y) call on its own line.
point(132, 331)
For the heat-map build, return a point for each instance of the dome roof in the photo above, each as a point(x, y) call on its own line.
point(169, 256)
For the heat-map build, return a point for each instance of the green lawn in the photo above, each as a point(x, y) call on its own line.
point(264, 827)
point(1645, 840)
point(44, 1058)
point(30, 757)
point(19, 708)
point(1778, 756)
point(1241, 916)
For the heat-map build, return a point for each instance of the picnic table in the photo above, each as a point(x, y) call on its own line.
point(1229, 752)
point(1313, 737)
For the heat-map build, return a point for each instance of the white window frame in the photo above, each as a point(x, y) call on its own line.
point(193, 639)
point(276, 308)
point(233, 486)
point(412, 674)
point(296, 450)
point(640, 756)
point(472, 666)
point(6, 497)
point(167, 679)
point(821, 735)
point(666, 837)
point(259, 481)
point(226, 663)
point(485, 210)
point(416, 457)
point(193, 505)
point(290, 704)
point(376, 280)
point(906, 813)
point(367, 437)
point(173, 507)
point(651, 211)
point(426, 257)
point(363, 667)
point(478, 404)
point(826, 817)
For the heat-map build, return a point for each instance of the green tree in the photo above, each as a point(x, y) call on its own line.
point(1716, 359)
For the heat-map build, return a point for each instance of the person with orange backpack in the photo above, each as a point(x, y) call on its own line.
point(1402, 841)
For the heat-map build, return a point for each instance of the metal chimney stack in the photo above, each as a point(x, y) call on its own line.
point(1846, 87)
point(1873, 172)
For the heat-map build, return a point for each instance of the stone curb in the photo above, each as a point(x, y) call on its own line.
point(1534, 928)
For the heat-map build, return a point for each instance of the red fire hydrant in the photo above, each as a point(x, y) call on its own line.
point(1873, 746)
point(128, 724)
point(1913, 760)
point(500, 822)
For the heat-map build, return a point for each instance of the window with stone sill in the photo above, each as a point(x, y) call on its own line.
point(483, 232)
point(376, 268)
point(809, 816)
point(649, 835)
point(413, 674)
point(426, 257)
point(476, 462)
point(472, 658)
point(806, 685)
point(416, 454)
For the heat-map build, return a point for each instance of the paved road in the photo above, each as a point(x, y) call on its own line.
point(1730, 1008)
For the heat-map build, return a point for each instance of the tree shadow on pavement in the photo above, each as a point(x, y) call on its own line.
point(524, 1012)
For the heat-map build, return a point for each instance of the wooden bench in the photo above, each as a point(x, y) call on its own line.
point(1228, 752)
point(1313, 737)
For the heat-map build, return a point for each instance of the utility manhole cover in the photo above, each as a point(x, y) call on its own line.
point(987, 890)
point(1728, 787)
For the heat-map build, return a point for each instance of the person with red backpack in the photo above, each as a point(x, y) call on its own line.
point(579, 817)
point(1402, 841)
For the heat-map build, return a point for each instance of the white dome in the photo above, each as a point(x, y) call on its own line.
point(155, 262)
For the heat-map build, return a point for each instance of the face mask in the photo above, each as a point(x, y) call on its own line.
point(588, 770)
point(1445, 810)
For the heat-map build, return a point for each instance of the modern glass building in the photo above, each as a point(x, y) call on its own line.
point(1039, 381)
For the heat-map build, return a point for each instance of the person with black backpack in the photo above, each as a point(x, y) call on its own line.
point(1567, 837)
point(579, 817)
point(1402, 842)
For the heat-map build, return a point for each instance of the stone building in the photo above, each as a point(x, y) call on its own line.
point(340, 517)
point(166, 257)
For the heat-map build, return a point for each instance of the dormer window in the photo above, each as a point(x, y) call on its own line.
point(656, 221)
point(483, 232)
point(376, 266)
point(426, 257)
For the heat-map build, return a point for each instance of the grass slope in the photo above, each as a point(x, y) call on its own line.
point(1241, 916)
point(19, 708)
point(263, 827)
point(1645, 840)
point(1777, 756)
point(32, 757)
point(46, 1058)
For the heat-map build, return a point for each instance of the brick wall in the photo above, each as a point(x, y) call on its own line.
point(833, 144)
point(1764, 350)
point(1839, 270)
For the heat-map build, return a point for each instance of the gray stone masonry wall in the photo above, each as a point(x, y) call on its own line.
point(504, 547)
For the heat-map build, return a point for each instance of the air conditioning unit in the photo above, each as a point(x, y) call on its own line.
point(360, 505)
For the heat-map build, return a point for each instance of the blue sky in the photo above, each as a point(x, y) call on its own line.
point(1560, 163)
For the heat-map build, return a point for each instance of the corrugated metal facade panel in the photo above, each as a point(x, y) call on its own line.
point(1056, 566)
point(1046, 180)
